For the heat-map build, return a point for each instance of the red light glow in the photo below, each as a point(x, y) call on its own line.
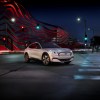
point(4, 38)
point(22, 27)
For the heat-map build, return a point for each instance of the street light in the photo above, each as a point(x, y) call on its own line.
point(37, 27)
point(78, 19)
point(13, 20)
point(85, 27)
point(85, 23)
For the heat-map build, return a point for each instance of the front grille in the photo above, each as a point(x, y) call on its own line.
point(64, 60)
point(64, 53)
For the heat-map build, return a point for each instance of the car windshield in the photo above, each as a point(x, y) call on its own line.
point(49, 45)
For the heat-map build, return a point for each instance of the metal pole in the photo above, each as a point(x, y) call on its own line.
point(93, 31)
point(85, 33)
point(85, 27)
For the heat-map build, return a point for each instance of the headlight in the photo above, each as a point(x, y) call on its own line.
point(71, 53)
point(55, 53)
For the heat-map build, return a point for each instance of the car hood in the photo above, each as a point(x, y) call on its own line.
point(58, 49)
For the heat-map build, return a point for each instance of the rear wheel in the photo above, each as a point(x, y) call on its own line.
point(26, 57)
point(46, 59)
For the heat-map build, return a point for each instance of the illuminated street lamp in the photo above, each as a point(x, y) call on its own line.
point(78, 19)
point(13, 20)
point(85, 25)
point(37, 27)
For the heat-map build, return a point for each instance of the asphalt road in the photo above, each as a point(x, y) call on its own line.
point(79, 80)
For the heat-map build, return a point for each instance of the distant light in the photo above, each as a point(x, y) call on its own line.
point(78, 19)
point(22, 27)
point(13, 19)
point(38, 27)
point(88, 29)
point(85, 44)
point(85, 38)
point(4, 38)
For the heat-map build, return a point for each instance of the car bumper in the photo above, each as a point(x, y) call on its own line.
point(62, 60)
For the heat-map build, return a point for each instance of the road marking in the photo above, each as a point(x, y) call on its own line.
point(88, 70)
point(87, 64)
point(85, 77)
point(90, 66)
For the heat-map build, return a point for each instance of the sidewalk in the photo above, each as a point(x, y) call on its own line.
point(82, 51)
point(10, 52)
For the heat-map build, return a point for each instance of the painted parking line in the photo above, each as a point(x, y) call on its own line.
point(88, 70)
point(86, 77)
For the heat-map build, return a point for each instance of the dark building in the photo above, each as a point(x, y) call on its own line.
point(19, 28)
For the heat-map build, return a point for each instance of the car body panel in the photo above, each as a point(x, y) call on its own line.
point(55, 54)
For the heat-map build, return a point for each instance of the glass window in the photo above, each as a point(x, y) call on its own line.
point(35, 46)
point(32, 46)
point(50, 45)
point(38, 46)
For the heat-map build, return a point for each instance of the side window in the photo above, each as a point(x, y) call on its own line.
point(38, 46)
point(35, 46)
point(32, 46)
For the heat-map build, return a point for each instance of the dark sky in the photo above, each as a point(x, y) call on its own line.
point(64, 13)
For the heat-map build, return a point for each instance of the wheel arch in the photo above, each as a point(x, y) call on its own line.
point(27, 54)
point(48, 56)
point(44, 53)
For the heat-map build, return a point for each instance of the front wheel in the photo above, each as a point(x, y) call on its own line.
point(26, 56)
point(67, 62)
point(46, 59)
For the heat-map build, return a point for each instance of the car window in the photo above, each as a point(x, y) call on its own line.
point(33, 46)
point(38, 46)
point(49, 45)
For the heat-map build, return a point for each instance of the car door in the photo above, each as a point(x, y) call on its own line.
point(32, 50)
point(35, 51)
point(38, 51)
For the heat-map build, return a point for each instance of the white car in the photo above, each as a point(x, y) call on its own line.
point(48, 52)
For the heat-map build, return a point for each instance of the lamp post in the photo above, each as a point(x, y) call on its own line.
point(12, 20)
point(85, 23)
point(92, 30)
point(85, 28)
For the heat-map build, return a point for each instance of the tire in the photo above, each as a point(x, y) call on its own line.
point(45, 59)
point(26, 57)
point(67, 62)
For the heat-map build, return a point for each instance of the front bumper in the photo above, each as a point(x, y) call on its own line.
point(62, 60)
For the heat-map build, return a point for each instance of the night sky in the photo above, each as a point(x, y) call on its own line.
point(64, 14)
